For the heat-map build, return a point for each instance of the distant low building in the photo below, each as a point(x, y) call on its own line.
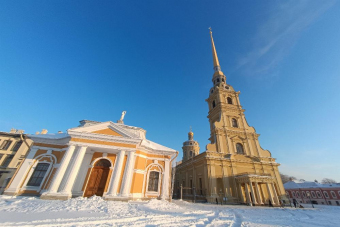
point(13, 149)
point(326, 194)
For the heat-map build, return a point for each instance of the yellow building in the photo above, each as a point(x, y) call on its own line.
point(14, 146)
point(234, 168)
point(106, 159)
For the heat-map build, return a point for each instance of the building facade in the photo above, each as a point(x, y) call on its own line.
point(313, 192)
point(106, 159)
point(234, 168)
point(14, 146)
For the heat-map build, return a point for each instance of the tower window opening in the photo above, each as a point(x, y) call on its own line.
point(213, 104)
point(239, 148)
point(234, 121)
point(229, 100)
point(218, 80)
point(222, 79)
point(212, 91)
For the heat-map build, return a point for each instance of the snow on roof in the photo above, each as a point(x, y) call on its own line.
point(307, 184)
point(49, 136)
point(155, 146)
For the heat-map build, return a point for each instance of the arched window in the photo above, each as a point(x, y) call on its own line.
point(222, 79)
point(218, 80)
point(153, 181)
point(333, 194)
point(313, 194)
point(190, 153)
point(234, 121)
point(326, 194)
point(319, 194)
point(239, 148)
point(229, 100)
point(213, 104)
point(38, 174)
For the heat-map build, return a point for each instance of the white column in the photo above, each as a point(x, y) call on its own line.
point(80, 179)
point(166, 179)
point(22, 173)
point(276, 198)
point(115, 176)
point(258, 193)
point(252, 193)
point(125, 191)
point(74, 170)
point(247, 193)
point(270, 194)
point(61, 170)
point(241, 193)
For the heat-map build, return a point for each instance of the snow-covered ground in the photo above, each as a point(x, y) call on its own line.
point(31, 211)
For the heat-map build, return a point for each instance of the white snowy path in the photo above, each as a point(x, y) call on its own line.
point(30, 211)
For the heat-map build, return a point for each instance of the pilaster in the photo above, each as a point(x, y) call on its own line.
point(52, 191)
point(21, 174)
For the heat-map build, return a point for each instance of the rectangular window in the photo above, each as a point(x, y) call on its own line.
point(17, 146)
point(190, 183)
point(38, 174)
point(153, 181)
point(5, 145)
point(7, 160)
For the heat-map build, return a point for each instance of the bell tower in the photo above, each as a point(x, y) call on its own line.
point(233, 165)
point(229, 129)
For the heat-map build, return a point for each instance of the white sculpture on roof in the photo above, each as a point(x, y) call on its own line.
point(122, 118)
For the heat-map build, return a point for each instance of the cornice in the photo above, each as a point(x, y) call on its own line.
point(82, 144)
point(52, 141)
point(102, 137)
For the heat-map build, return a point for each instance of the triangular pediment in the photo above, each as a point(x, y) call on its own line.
point(107, 131)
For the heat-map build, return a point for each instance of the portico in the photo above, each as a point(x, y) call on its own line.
point(257, 189)
point(106, 159)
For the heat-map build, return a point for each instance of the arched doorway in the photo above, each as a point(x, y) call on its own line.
point(98, 178)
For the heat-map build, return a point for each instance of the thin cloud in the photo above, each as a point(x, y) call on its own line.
point(277, 35)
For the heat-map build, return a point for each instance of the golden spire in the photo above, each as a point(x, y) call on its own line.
point(217, 66)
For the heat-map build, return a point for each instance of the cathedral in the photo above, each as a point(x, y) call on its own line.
point(234, 168)
point(107, 159)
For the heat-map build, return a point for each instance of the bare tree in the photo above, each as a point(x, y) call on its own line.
point(328, 181)
point(285, 178)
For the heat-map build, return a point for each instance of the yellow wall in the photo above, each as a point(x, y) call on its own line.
point(108, 132)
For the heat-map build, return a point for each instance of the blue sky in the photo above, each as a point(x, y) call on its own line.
point(64, 61)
